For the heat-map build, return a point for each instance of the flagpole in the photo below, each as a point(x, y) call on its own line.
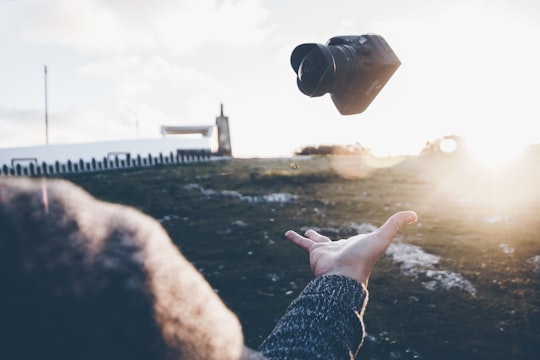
point(46, 109)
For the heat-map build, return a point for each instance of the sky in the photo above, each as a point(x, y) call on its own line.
point(119, 69)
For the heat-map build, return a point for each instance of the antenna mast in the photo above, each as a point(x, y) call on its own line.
point(46, 108)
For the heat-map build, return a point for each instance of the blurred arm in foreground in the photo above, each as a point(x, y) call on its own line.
point(85, 279)
point(89, 280)
point(325, 321)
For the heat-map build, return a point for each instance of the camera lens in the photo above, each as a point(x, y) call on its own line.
point(315, 74)
point(314, 67)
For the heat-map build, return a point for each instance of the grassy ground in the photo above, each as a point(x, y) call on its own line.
point(482, 223)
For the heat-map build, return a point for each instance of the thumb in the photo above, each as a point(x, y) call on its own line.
point(396, 223)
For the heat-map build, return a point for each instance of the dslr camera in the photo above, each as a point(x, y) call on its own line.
point(353, 69)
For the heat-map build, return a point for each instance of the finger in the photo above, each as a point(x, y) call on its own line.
point(300, 241)
point(315, 236)
point(396, 223)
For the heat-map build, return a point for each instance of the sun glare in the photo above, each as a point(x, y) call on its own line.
point(448, 145)
point(494, 153)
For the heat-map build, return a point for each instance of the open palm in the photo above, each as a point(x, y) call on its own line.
point(353, 257)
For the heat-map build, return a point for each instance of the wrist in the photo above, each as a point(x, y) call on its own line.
point(354, 273)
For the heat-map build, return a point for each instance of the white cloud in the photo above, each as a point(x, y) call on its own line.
point(84, 25)
point(155, 82)
point(27, 127)
point(466, 66)
point(122, 26)
point(21, 127)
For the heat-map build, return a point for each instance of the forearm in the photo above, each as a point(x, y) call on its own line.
point(324, 322)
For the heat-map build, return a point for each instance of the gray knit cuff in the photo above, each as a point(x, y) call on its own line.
point(324, 322)
point(339, 289)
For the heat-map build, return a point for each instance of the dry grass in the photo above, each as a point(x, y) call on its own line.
point(483, 224)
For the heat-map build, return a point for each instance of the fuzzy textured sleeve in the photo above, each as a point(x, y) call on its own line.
point(324, 322)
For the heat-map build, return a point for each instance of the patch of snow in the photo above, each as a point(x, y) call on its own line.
point(416, 262)
point(507, 249)
point(230, 194)
point(240, 223)
point(447, 280)
point(167, 218)
point(276, 198)
point(273, 277)
point(535, 262)
point(413, 259)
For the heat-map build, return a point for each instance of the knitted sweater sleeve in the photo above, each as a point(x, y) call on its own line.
point(324, 322)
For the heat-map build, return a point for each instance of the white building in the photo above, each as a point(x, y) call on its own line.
point(187, 143)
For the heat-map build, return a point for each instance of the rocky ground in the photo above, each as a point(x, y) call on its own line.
point(464, 282)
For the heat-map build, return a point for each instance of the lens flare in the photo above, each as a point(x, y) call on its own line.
point(448, 145)
point(494, 152)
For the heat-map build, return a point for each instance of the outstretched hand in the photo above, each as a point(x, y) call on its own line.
point(353, 257)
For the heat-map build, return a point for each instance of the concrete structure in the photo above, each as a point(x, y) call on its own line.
point(194, 143)
point(224, 136)
point(87, 151)
point(205, 131)
point(74, 158)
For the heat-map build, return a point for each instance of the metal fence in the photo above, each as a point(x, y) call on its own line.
point(113, 161)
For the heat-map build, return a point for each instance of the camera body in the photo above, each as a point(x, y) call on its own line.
point(353, 69)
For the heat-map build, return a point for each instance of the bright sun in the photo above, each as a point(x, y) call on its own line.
point(494, 152)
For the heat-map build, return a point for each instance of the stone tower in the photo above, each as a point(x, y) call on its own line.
point(224, 137)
